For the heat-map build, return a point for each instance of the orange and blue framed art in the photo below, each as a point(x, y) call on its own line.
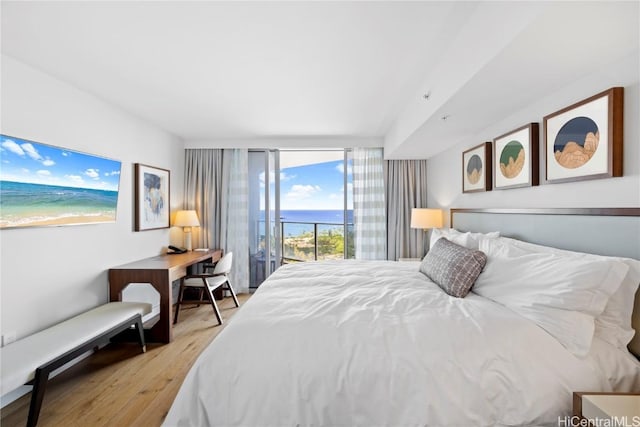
point(585, 140)
point(516, 158)
point(476, 168)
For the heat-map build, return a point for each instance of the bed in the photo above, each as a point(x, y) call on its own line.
point(363, 343)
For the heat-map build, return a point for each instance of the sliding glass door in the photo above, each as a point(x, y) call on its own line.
point(264, 215)
point(300, 208)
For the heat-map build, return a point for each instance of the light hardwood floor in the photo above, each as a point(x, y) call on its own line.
point(119, 385)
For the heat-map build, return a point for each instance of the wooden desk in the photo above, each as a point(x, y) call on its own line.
point(159, 271)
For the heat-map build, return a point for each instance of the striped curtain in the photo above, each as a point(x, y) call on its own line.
point(235, 215)
point(369, 211)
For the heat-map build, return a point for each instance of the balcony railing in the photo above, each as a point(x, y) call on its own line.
point(310, 241)
point(300, 242)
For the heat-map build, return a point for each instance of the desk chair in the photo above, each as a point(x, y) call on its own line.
point(208, 282)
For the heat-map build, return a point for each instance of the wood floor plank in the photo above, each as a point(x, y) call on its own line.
point(118, 385)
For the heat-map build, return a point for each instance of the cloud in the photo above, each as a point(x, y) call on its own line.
point(76, 179)
point(13, 147)
point(112, 173)
point(92, 173)
point(25, 170)
point(28, 149)
point(272, 177)
point(340, 195)
point(44, 173)
point(299, 191)
point(65, 154)
point(340, 168)
point(286, 177)
point(31, 151)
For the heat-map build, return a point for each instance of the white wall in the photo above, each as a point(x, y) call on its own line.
point(51, 273)
point(444, 178)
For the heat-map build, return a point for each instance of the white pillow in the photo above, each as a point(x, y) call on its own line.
point(561, 294)
point(614, 324)
point(619, 367)
point(468, 240)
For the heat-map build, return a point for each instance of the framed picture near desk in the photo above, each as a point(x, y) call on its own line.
point(151, 197)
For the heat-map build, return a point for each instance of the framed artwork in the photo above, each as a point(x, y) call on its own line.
point(476, 168)
point(516, 158)
point(151, 197)
point(44, 185)
point(584, 141)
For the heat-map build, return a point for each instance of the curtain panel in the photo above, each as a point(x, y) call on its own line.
point(202, 191)
point(406, 188)
point(216, 187)
point(235, 215)
point(369, 212)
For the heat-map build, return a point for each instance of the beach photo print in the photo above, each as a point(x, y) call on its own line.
point(584, 140)
point(44, 185)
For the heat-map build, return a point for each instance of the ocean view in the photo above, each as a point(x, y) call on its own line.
point(37, 204)
point(299, 238)
point(298, 222)
point(319, 216)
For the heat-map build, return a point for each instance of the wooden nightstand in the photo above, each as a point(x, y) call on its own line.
point(621, 406)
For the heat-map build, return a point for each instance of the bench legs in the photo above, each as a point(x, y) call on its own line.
point(43, 372)
point(140, 330)
point(37, 395)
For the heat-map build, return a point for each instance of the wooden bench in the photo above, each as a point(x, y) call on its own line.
point(30, 360)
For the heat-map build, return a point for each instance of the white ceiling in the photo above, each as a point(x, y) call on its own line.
point(208, 71)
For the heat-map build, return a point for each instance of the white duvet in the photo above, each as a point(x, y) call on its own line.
point(368, 343)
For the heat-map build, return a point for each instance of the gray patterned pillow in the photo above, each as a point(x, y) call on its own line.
point(453, 267)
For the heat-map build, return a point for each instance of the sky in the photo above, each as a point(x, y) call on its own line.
point(317, 186)
point(34, 163)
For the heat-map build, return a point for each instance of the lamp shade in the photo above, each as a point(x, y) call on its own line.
point(186, 219)
point(426, 218)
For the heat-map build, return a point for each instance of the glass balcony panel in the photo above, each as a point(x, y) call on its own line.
point(298, 242)
point(307, 241)
point(351, 250)
point(330, 241)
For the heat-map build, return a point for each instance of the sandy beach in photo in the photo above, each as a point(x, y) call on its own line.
point(80, 219)
point(67, 220)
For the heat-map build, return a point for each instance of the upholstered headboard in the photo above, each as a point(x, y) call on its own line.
point(602, 231)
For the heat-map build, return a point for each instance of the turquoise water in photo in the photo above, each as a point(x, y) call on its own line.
point(22, 203)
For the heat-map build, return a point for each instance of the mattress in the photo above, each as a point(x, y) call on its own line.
point(376, 343)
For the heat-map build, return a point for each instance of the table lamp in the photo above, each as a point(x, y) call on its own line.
point(426, 218)
point(187, 219)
